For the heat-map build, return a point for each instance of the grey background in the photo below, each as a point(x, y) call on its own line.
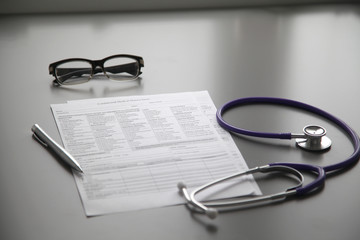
point(306, 53)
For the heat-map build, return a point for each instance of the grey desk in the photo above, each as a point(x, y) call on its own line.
point(309, 54)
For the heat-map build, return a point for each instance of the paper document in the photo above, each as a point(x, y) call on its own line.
point(134, 150)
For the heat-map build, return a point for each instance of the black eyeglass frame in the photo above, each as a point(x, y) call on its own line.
point(94, 64)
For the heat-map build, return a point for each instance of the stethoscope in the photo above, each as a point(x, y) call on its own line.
point(312, 139)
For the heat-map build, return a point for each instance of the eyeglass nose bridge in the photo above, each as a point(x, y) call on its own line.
point(98, 67)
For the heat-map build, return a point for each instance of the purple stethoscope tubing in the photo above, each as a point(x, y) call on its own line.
point(321, 171)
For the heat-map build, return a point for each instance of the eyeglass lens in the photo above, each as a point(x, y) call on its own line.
point(74, 72)
point(116, 68)
point(121, 68)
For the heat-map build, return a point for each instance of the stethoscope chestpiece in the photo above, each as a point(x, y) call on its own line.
point(313, 139)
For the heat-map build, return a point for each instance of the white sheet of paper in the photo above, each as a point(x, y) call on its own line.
point(134, 150)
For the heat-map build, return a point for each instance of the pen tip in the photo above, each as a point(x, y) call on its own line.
point(78, 171)
point(33, 127)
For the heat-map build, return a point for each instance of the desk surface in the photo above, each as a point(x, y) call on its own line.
point(310, 54)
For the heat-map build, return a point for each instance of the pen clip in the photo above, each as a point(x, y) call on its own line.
point(39, 140)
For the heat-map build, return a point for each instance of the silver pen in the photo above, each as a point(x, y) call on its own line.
point(47, 141)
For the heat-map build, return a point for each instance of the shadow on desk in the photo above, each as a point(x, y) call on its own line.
point(96, 87)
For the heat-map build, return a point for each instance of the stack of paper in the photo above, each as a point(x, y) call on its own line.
point(134, 150)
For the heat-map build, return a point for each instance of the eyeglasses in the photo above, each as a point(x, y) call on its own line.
point(79, 70)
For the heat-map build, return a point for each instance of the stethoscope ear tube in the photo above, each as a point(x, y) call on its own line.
point(315, 184)
point(211, 208)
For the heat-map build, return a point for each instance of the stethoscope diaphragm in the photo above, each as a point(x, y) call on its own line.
point(314, 139)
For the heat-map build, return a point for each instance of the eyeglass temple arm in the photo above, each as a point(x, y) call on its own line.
point(131, 68)
point(66, 73)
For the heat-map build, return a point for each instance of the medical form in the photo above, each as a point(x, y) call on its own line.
point(134, 150)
